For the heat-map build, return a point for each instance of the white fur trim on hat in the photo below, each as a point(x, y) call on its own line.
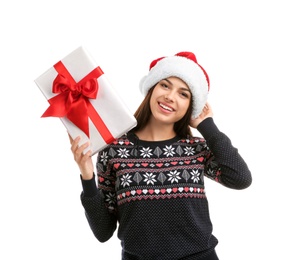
point(185, 69)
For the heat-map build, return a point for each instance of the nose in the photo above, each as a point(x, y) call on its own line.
point(169, 97)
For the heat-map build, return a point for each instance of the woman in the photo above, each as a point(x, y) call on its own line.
point(151, 180)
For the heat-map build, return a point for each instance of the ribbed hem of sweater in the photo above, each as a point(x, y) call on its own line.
point(89, 187)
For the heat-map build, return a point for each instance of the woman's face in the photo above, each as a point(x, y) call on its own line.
point(170, 100)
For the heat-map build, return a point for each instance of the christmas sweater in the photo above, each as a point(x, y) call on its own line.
point(153, 193)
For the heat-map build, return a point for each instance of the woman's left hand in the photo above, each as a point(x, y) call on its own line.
point(206, 112)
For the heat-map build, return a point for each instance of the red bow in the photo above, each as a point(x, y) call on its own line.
point(72, 100)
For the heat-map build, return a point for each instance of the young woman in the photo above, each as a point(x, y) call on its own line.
point(150, 182)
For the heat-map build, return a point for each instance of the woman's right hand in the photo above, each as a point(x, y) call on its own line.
point(84, 161)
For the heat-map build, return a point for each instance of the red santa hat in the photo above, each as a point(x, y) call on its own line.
point(184, 66)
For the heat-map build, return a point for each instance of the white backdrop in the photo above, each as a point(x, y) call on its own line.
point(252, 53)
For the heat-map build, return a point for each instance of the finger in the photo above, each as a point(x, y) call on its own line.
point(80, 150)
point(70, 138)
point(207, 108)
point(87, 155)
point(75, 143)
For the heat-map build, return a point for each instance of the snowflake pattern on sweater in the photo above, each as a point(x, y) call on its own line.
point(137, 172)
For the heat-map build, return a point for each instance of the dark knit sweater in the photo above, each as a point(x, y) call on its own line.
point(155, 192)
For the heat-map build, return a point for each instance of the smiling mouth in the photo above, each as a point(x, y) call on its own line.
point(166, 107)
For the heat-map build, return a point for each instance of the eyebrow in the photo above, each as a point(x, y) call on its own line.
point(185, 89)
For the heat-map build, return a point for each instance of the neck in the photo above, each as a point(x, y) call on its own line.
point(156, 132)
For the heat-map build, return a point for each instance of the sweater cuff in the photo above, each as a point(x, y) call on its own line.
point(89, 187)
point(208, 128)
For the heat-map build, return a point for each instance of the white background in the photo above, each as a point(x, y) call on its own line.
point(252, 53)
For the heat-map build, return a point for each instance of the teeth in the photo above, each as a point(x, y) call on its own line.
point(165, 107)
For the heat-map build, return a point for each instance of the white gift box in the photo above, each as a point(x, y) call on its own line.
point(108, 115)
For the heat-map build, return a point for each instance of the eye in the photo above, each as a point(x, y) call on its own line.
point(185, 94)
point(164, 85)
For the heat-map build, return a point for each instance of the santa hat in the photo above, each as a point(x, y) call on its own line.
point(184, 66)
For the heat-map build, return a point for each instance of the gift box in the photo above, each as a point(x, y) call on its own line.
point(85, 101)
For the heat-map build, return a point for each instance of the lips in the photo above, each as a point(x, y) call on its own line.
point(166, 107)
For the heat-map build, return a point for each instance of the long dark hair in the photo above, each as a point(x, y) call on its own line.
point(143, 114)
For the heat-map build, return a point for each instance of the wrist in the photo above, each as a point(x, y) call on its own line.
point(86, 176)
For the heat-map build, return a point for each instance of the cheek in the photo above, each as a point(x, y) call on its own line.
point(184, 105)
point(152, 103)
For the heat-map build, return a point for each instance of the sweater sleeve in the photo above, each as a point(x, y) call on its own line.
point(101, 221)
point(224, 163)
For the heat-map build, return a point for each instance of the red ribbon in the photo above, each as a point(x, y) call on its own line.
point(72, 100)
